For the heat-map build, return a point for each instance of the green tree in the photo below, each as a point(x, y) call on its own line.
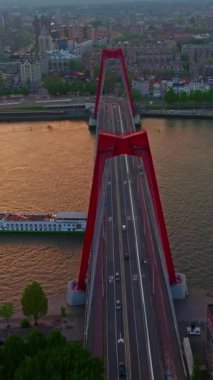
point(34, 301)
point(136, 95)
point(75, 65)
point(49, 357)
point(69, 361)
point(110, 80)
point(63, 312)
point(183, 97)
point(6, 311)
point(11, 357)
point(171, 97)
point(196, 375)
point(36, 341)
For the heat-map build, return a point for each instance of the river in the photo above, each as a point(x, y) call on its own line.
point(47, 166)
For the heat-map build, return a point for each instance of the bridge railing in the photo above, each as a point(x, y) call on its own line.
point(94, 254)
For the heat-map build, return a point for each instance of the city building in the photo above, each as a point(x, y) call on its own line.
point(157, 89)
point(30, 72)
point(44, 63)
point(1, 22)
point(39, 22)
point(61, 43)
point(142, 85)
point(83, 47)
point(45, 42)
point(59, 60)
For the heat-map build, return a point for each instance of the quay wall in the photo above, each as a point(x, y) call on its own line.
point(81, 114)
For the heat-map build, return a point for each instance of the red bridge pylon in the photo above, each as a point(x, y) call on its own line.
point(113, 54)
point(109, 145)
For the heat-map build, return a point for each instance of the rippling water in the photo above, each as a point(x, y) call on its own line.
point(48, 167)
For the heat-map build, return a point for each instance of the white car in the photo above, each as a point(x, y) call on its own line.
point(111, 279)
point(118, 304)
point(193, 330)
point(124, 227)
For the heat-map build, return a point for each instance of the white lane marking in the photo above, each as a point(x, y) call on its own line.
point(138, 260)
point(107, 342)
point(132, 290)
point(120, 340)
point(113, 254)
point(153, 278)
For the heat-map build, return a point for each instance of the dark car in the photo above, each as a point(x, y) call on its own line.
point(122, 370)
point(126, 256)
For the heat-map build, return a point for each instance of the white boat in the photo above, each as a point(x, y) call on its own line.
point(63, 221)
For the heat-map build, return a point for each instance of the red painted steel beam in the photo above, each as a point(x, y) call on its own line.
point(109, 145)
point(113, 54)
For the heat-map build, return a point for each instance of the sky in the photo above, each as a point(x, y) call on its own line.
point(32, 3)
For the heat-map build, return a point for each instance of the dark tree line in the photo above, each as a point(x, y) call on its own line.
point(52, 357)
point(13, 90)
point(197, 96)
point(56, 85)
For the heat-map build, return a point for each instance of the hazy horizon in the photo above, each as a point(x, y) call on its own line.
point(31, 3)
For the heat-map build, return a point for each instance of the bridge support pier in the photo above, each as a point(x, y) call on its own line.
point(179, 290)
point(137, 120)
point(75, 297)
point(92, 123)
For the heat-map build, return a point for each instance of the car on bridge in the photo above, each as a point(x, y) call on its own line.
point(126, 256)
point(118, 305)
point(122, 369)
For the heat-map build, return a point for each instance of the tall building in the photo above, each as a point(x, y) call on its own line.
point(39, 22)
point(17, 19)
point(45, 42)
point(1, 22)
point(30, 72)
point(44, 63)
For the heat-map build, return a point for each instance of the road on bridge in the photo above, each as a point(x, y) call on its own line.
point(130, 316)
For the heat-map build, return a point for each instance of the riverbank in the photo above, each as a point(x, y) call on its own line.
point(83, 114)
point(72, 328)
point(180, 114)
point(14, 116)
point(193, 308)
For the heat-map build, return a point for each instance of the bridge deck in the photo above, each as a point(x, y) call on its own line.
point(130, 315)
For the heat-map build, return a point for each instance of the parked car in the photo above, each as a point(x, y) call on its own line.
point(193, 329)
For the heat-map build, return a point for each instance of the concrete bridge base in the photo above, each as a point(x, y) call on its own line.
point(137, 120)
point(75, 297)
point(92, 123)
point(180, 290)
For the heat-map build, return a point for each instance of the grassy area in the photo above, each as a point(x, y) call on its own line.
point(160, 103)
point(29, 107)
